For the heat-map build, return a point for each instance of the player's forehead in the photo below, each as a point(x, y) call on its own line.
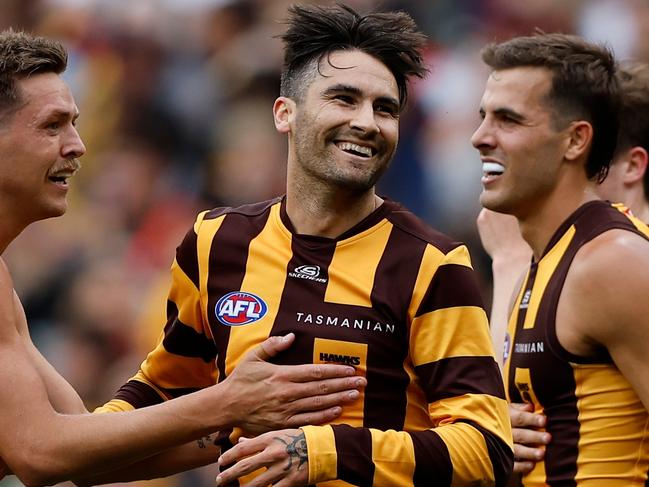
point(517, 89)
point(357, 69)
point(46, 95)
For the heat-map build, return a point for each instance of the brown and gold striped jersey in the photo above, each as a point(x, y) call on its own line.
point(392, 297)
point(598, 423)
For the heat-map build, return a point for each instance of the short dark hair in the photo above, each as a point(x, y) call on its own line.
point(584, 85)
point(23, 55)
point(315, 31)
point(634, 110)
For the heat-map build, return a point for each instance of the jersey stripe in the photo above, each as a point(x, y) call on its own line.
point(228, 255)
point(395, 449)
point(433, 464)
point(265, 275)
point(457, 376)
point(351, 273)
point(354, 464)
point(467, 442)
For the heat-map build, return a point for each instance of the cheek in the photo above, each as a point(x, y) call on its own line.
point(390, 132)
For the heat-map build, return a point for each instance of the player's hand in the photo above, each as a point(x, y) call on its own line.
point(283, 453)
point(529, 442)
point(268, 396)
point(501, 237)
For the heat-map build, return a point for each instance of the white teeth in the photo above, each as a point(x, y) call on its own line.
point(492, 168)
point(366, 151)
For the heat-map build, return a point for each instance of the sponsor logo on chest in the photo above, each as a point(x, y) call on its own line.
point(240, 308)
point(529, 347)
point(307, 272)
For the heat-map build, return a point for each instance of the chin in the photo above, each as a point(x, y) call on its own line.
point(55, 210)
point(493, 203)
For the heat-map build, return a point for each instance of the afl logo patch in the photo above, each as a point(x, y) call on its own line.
point(240, 308)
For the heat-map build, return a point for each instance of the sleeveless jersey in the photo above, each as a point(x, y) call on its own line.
point(598, 423)
point(392, 297)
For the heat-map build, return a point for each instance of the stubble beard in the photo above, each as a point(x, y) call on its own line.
point(321, 163)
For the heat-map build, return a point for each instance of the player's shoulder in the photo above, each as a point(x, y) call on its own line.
point(615, 258)
point(248, 210)
point(409, 223)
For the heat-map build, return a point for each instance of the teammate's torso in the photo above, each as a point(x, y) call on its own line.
point(346, 300)
point(596, 420)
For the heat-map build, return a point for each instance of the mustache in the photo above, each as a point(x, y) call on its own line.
point(70, 165)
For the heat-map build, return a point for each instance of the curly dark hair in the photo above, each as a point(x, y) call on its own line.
point(315, 31)
point(584, 85)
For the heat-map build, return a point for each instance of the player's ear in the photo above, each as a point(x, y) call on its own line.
point(637, 164)
point(579, 141)
point(283, 113)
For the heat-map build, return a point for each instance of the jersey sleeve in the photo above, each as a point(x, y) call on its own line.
point(470, 442)
point(183, 359)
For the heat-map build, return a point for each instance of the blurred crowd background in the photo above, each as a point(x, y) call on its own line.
point(175, 99)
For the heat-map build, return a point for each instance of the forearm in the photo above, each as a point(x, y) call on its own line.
point(185, 457)
point(459, 453)
point(52, 447)
point(507, 274)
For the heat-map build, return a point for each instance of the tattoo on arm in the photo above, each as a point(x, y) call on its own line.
point(205, 441)
point(296, 449)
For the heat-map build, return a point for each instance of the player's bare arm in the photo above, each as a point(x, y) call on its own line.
point(60, 393)
point(49, 447)
point(510, 256)
point(201, 452)
point(604, 304)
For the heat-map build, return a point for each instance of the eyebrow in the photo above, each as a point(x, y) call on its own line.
point(504, 112)
point(58, 113)
point(354, 90)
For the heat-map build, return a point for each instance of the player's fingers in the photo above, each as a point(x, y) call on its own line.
point(524, 453)
point(316, 372)
point(522, 406)
point(316, 389)
point(240, 451)
point(271, 347)
point(314, 417)
point(245, 464)
point(529, 437)
point(524, 419)
point(523, 467)
point(336, 397)
point(271, 477)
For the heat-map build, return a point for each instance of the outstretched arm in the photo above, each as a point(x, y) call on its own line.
point(42, 446)
point(510, 256)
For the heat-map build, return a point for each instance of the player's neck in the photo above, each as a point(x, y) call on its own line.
point(328, 214)
point(538, 227)
point(9, 230)
point(642, 211)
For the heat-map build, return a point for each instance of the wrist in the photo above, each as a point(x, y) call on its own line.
point(322, 453)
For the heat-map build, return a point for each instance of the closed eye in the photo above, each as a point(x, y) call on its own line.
point(344, 98)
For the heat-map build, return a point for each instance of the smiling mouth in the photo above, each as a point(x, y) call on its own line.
point(59, 179)
point(492, 168)
point(356, 149)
